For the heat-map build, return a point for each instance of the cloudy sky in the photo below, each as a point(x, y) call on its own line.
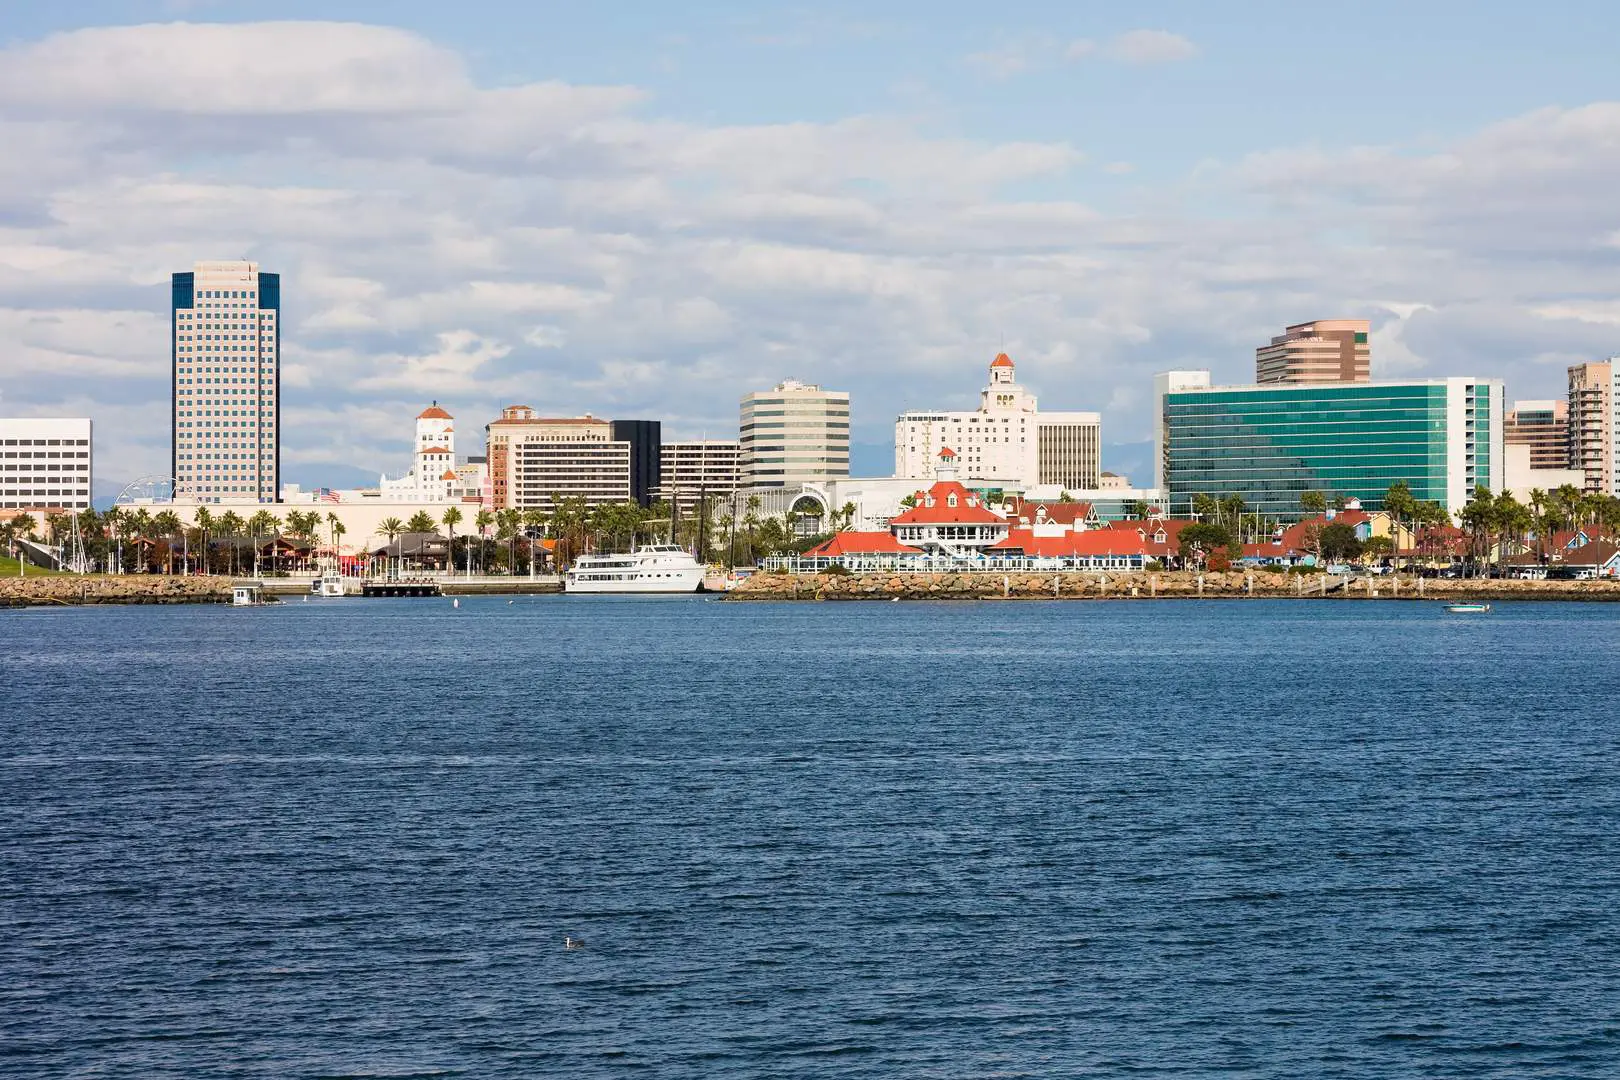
point(645, 209)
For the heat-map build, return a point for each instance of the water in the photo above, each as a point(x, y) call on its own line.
point(1157, 839)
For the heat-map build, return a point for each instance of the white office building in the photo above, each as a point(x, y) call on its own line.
point(795, 433)
point(45, 464)
point(1007, 440)
point(226, 338)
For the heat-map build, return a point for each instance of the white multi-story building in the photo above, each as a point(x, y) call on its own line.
point(434, 475)
point(794, 434)
point(697, 468)
point(226, 339)
point(45, 464)
point(1006, 440)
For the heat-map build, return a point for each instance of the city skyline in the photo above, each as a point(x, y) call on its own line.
point(884, 238)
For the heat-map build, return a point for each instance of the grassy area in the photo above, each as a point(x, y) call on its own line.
point(8, 568)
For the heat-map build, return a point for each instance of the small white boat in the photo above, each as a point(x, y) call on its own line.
point(329, 583)
point(656, 568)
point(1468, 609)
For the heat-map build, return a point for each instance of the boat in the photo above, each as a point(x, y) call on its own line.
point(656, 568)
point(1462, 609)
point(330, 583)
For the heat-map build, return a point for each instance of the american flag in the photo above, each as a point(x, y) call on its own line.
point(327, 495)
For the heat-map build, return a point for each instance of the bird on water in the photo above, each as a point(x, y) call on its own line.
point(573, 943)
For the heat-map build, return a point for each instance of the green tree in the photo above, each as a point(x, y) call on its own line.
point(451, 518)
point(1204, 543)
point(421, 522)
point(168, 525)
point(204, 522)
point(1479, 519)
point(507, 523)
point(1135, 510)
point(1338, 542)
point(1313, 502)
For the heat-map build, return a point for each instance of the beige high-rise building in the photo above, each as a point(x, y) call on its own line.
point(1543, 426)
point(226, 338)
point(697, 468)
point(796, 433)
point(1323, 351)
point(534, 458)
point(1594, 423)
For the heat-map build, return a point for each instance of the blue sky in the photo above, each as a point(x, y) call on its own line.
point(649, 208)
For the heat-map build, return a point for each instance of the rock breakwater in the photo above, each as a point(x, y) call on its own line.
point(1095, 585)
point(121, 589)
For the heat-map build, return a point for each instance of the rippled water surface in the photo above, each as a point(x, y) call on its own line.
point(883, 840)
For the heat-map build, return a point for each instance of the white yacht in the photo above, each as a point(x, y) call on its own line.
point(656, 568)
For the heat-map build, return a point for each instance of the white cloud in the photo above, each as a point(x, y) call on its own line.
point(1151, 47)
point(549, 244)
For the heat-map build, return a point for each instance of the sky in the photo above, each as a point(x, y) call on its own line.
point(646, 210)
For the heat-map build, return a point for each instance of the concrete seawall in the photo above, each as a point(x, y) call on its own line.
point(1094, 585)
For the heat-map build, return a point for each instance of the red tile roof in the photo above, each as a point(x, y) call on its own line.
point(433, 450)
point(1094, 543)
point(969, 508)
point(1001, 360)
point(862, 543)
point(1060, 512)
point(433, 412)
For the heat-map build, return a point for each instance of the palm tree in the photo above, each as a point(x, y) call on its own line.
point(534, 522)
point(167, 522)
point(334, 525)
point(482, 521)
point(261, 524)
point(114, 520)
point(507, 522)
point(452, 518)
point(204, 522)
point(230, 527)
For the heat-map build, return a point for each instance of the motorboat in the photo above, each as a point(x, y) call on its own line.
point(330, 583)
point(656, 568)
point(1468, 609)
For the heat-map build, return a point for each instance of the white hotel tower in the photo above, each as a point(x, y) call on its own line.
point(1007, 440)
point(226, 338)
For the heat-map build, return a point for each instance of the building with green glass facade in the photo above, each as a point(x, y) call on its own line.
point(1269, 444)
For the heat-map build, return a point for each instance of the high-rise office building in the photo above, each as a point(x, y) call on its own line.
point(45, 464)
point(1543, 426)
point(794, 434)
point(1323, 351)
point(226, 341)
point(1006, 440)
point(645, 438)
point(1594, 423)
point(697, 468)
point(1270, 444)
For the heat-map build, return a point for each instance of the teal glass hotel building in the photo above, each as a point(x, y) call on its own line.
point(1269, 444)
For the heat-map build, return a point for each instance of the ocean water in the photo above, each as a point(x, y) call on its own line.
point(1251, 839)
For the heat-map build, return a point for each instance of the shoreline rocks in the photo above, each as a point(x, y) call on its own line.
point(1162, 585)
point(73, 590)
